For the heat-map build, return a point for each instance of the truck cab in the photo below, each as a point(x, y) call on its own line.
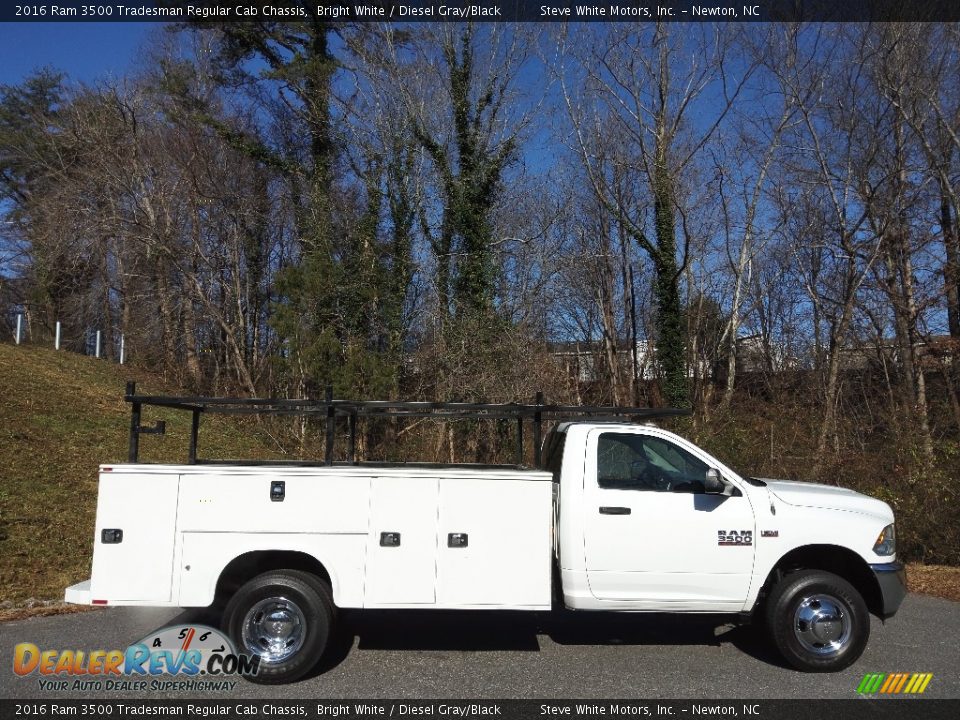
point(648, 521)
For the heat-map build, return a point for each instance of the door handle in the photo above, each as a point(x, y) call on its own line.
point(607, 510)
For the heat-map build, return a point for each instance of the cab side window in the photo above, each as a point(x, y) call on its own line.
point(628, 461)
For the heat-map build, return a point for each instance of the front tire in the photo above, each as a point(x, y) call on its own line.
point(818, 621)
point(284, 618)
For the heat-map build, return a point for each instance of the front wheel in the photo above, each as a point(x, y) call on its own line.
point(818, 621)
point(284, 618)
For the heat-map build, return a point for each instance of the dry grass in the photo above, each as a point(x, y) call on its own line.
point(22, 613)
point(939, 580)
point(62, 415)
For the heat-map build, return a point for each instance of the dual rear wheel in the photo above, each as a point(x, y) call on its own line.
point(285, 618)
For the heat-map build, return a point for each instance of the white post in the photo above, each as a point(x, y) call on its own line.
point(56, 339)
point(19, 326)
point(121, 349)
point(97, 351)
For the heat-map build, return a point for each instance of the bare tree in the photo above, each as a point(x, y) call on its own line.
point(757, 147)
point(645, 85)
point(834, 151)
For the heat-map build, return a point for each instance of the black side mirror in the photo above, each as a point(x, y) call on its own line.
point(712, 483)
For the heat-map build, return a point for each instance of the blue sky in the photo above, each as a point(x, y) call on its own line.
point(84, 51)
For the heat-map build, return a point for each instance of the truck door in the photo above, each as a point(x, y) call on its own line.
point(651, 536)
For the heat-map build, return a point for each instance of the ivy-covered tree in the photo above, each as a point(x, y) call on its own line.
point(470, 149)
point(326, 288)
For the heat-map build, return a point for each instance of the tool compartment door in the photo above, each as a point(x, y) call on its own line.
point(140, 566)
point(403, 572)
point(506, 559)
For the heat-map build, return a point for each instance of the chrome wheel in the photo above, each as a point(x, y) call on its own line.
point(822, 624)
point(274, 629)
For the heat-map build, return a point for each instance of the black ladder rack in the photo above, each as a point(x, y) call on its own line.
point(333, 409)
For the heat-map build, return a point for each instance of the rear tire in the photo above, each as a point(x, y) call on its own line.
point(283, 617)
point(817, 620)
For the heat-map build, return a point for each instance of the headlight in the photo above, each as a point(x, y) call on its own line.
point(886, 544)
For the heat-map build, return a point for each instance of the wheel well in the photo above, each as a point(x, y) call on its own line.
point(831, 558)
point(247, 566)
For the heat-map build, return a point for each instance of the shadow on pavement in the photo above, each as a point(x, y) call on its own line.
point(197, 616)
point(479, 631)
point(610, 628)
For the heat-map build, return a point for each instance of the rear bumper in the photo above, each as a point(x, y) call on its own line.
point(78, 594)
point(892, 581)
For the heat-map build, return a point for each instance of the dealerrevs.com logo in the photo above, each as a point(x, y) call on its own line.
point(196, 656)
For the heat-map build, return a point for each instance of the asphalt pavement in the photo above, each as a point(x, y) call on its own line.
point(423, 654)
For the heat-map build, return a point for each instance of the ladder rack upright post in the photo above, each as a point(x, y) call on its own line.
point(331, 421)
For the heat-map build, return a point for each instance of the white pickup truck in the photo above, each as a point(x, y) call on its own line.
point(622, 517)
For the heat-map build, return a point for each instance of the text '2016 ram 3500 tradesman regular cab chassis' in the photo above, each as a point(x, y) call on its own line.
point(623, 517)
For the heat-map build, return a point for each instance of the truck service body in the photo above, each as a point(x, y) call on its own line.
point(623, 517)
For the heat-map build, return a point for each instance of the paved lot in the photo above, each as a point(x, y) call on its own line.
point(495, 655)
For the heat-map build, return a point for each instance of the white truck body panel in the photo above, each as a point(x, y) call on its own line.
point(406, 574)
point(203, 556)
point(221, 500)
point(665, 550)
point(182, 525)
point(474, 575)
point(139, 569)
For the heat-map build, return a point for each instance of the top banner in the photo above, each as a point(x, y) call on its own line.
point(489, 11)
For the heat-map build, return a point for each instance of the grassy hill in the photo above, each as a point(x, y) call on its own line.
point(62, 415)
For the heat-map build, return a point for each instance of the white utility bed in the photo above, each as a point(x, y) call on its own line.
point(182, 525)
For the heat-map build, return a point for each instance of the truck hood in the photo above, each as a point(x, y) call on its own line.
point(804, 494)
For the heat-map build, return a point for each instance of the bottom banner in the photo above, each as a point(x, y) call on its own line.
point(865, 709)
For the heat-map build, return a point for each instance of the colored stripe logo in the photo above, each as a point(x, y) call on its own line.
point(894, 683)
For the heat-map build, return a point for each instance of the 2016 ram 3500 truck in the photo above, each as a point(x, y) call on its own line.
point(623, 517)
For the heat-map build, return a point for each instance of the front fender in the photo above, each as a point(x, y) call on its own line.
point(783, 529)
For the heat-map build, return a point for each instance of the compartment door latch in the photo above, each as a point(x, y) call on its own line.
point(389, 539)
point(278, 490)
point(457, 540)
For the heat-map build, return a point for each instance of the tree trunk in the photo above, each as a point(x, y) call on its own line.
point(838, 334)
point(669, 319)
point(734, 325)
point(607, 312)
point(167, 323)
point(107, 309)
point(951, 269)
